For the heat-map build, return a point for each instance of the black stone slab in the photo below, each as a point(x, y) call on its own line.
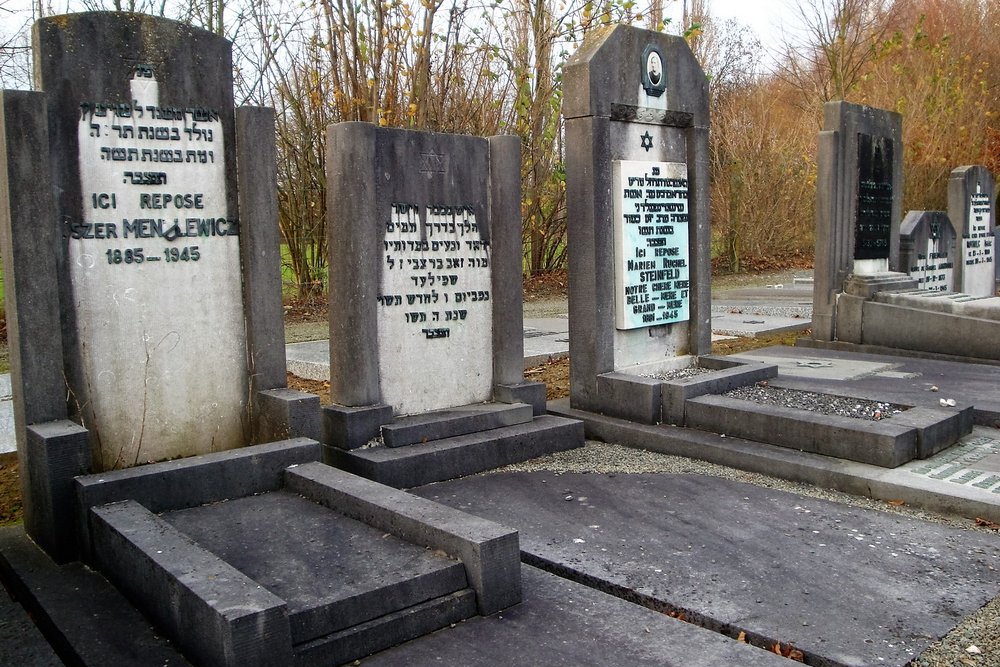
point(86, 620)
point(405, 467)
point(565, 624)
point(844, 585)
point(439, 424)
point(332, 571)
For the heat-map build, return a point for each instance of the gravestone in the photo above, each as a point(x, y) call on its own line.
point(425, 307)
point(858, 208)
point(927, 250)
point(145, 310)
point(637, 178)
point(971, 199)
point(132, 185)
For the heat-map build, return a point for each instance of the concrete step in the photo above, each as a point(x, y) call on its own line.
point(452, 422)
point(352, 575)
point(887, 443)
point(382, 633)
point(447, 458)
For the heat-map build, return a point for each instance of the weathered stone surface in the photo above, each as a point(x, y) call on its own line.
point(972, 209)
point(844, 585)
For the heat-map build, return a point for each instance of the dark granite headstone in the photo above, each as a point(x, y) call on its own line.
point(859, 194)
point(636, 109)
point(971, 202)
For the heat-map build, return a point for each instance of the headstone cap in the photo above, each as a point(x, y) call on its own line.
point(615, 63)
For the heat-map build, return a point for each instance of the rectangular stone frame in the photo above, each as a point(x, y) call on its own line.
point(355, 153)
point(836, 201)
point(596, 89)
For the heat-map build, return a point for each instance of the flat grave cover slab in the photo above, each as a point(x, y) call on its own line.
point(899, 379)
point(334, 572)
point(564, 624)
point(844, 585)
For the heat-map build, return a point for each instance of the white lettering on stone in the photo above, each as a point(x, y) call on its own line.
point(651, 243)
point(155, 270)
point(435, 317)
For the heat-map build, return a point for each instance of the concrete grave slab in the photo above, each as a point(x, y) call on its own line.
point(566, 624)
point(844, 585)
point(347, 572)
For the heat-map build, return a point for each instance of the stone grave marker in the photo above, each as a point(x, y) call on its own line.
point(131, 183)
point(858, 208)
point(425, 307)
point(971, 201)
point(926, 250)
point(145, 310)
point(636, 110)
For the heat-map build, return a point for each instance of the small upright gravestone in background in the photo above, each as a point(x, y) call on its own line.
point(927, 250)
point(636, 109)
point(425, 303)
point(971, 193)
point(858, 208)
point(144, 309)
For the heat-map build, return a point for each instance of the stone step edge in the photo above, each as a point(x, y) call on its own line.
point(440, 424)
point(462, 455)
point(387, 631)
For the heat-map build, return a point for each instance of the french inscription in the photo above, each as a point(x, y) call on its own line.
point(651, 243)
point(873, 221)
point(978, 237)
point(162, 200)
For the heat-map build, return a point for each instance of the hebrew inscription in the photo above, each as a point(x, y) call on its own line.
point(434, 308)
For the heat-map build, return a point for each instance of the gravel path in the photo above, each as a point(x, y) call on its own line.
point(974, 642)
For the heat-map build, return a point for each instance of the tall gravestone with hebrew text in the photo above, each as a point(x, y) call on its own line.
point(425, 308)
point(145, 310)
point(971, 202)
point(858, 209)
point(636, 109)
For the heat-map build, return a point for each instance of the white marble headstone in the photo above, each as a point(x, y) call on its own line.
point(155, 273)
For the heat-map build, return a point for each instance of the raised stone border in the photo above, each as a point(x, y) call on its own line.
point(223, 617)
point(887, 443)
point(650, 400)
point(489, 551)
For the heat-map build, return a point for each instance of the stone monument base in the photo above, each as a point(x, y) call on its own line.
point(409, 451)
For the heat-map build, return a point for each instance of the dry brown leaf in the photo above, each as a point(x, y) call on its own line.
point(896, 503)
point(742, 637)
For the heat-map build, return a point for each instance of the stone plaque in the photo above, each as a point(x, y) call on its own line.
point(155, 271)
point(435, 314)
point(977, 245)
point(873, 224)
point(651, 243)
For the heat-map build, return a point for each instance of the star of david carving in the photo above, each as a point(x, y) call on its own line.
point(647, 141)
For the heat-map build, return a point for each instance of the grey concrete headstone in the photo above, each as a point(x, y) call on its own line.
point(637, 178)
point(972, 208)
point(425, 268)
point(859, 193)
point(927, 249)
point(142, 306)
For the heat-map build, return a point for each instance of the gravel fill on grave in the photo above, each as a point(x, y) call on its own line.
point(975, 641)
point(826, 404)
point(679, 373)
